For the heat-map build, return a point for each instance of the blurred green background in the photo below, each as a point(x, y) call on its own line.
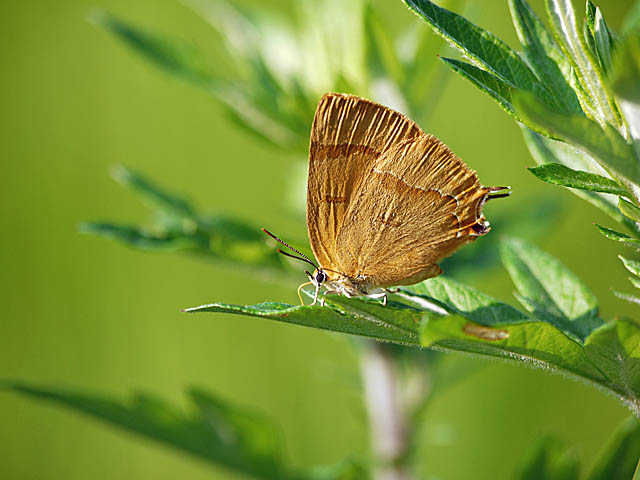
point(81, 311)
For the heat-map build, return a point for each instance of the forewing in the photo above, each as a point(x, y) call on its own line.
point(348, 134)
point(420, 204)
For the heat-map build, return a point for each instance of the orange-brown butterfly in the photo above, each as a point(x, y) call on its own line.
point(385, 201)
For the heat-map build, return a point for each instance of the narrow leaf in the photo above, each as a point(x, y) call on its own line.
point(483, 48)
point(558, 174)
point(548, 290)
point(497, 88)
point(175, 57)
point(629, 209)
point(627, 297)
point(632, 265)
point(544, 150)
point(215, 432)
point(142, 239)
point(604, 144)
point(563, 22)
point(619, 237)
point(156, 196)
point(381, 56)
point(602, 37)
point(549, 459)
point(618, 459)
point(400, 324)
point(545, 57)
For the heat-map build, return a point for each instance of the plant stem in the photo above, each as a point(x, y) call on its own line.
point(387, 416)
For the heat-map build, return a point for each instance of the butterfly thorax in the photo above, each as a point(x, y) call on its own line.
point(335, 282)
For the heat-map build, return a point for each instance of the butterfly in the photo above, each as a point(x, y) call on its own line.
point(385, 200)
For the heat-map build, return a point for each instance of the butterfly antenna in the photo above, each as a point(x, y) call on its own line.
point(302, 256)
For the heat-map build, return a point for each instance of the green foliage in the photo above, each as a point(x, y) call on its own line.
point(558, 174)
point(213, 431)
point(561, 329)
point(576, 93)
point(619, 457)
point(549, 459)
point(567, 88)
point(178, 227)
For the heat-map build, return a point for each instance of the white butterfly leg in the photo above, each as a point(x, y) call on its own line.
point(382, 295)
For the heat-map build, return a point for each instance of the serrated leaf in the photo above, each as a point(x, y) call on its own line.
point(544, 56)
point(457, 298)
point(618, 459)
point(369, 319)
point(537, 343)
point(485, 49)
point(619, 237)
point(549, 459)
point(632, 265)
point(629, 210)
point(563, 23)
point(497, 88)
point(615, 349)
point(604, 144)
point(548, 290)
point(558, 174)
point(215, 431)
point(544, 150)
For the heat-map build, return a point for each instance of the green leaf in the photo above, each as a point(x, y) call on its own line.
point(627, 297)
point(142, 239)
point(176, 58)
point(604, 144)
point(619, 237)
point(381, 56)
point(625, 77)
point(618, 459)
point(169, 204)
point(178, 227)
point(558, 174)
point(445, 314)
point(485, 49)
point(629, 209)
point(632, 265)
point(459, 299)
point(549, 290)
point(544, 150)
point(632, 20)
point(602, 37)
point(615, 349)
point(563, 22)
point(395, 322)
point(549, 459)
point(497, 88)
point(544, 56)
point(215, 431)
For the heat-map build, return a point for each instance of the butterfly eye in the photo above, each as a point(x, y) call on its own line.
point(320, 277)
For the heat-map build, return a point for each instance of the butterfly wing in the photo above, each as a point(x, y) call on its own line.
point(348, 134)
point(418, 205)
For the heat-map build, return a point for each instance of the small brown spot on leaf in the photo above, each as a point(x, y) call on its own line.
point(485, 333)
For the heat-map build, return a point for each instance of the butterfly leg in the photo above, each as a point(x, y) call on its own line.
point(382, 295)
point(300, 295)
